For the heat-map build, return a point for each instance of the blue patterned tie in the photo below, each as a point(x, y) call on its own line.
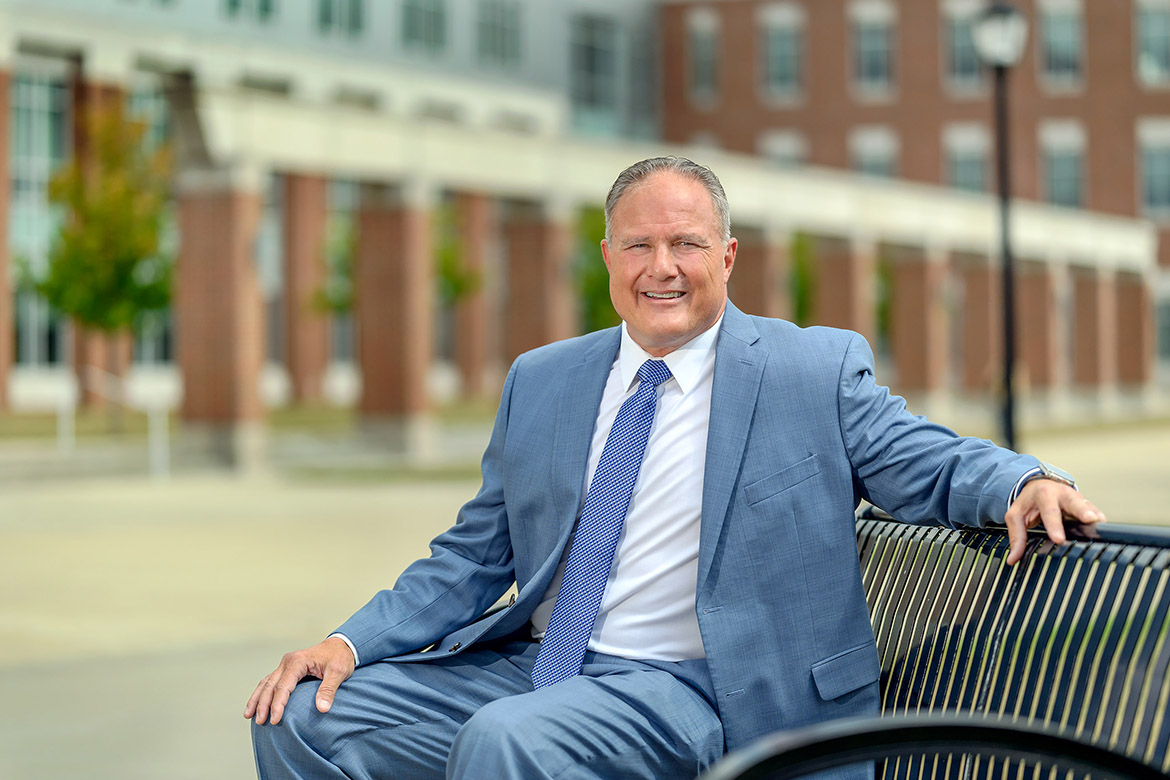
point(602, 517)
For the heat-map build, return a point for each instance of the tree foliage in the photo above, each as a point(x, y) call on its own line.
point(456, 279)
point(597, 310)
point(106, 266)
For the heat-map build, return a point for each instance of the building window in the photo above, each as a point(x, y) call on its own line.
point(1061, 45)
point(872, 25)
point(966, 147)
point(1155, 160)
point(1064, 177)
point(873, 151)
point(1062, 153)
point(783, 148)
point(147, 103)
point(344, 16)
point(782, 45)
point(499, 38)
point(703, 55)
point(340, 251)
point(424, 25)
point(963, 68)
point(967, 169)
point(40, 127)
point(594, 83)
point(259, 10)
point(1153, 50)
point(1163, 313)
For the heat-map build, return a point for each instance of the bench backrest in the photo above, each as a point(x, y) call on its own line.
point(1077, 636)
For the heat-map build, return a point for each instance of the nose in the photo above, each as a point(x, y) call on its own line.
point(662, 265)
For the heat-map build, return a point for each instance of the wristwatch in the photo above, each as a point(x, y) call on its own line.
point(1048, 471)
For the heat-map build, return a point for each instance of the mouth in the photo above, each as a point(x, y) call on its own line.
point(664, 296)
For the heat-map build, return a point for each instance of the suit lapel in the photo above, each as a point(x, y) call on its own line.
point(739, 367)
point(576, 418)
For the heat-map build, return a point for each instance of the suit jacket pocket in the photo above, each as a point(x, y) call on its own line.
point(785, 478)
point(846, 672)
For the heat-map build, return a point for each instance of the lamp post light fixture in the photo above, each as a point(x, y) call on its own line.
point(1000, 33)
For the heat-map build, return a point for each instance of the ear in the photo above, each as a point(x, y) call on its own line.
point(605, 254)
point(729, 258)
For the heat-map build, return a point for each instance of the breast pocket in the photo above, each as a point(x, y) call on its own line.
point(784, 479)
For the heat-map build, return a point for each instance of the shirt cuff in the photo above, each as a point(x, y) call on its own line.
point(1027, 477)
point(356, 661)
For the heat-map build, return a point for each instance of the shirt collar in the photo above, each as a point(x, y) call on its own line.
point(685, 363)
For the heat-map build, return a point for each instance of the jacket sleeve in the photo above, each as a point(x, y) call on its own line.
point(469, 568)
point(916, 470)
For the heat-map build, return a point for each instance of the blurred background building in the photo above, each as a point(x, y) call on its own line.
point(382, 203)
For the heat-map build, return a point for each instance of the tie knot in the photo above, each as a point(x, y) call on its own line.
point(654, 372)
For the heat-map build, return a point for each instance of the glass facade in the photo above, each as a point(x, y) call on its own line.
point(153, 340)
point(40, 126)
point(340, 248)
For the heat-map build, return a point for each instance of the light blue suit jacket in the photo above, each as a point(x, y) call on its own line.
point(799, 433)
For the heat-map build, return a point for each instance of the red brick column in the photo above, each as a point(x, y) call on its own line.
point(920, 323)
point(1038, 332)
point(92, 348)
point(845, 286)
point(982, 325)
point(759, 281)
point(476, 333)
point(1095, 301)
point(7, 297)
point(306, 325)
point(394, 305)
point(219, 313)
point(1135, 330)
point(541, 306)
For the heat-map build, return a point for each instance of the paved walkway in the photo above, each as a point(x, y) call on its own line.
point(136, 617)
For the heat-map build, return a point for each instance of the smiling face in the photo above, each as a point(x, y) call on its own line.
point(668, 264)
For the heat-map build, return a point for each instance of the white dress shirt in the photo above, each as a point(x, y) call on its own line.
point(648, 610)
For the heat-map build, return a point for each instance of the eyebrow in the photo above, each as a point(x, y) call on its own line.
point(692, 238)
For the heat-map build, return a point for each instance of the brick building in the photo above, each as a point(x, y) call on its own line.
point(893, 88)
point(297, 124)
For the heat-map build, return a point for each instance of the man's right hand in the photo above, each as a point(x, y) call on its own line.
point(331, 661)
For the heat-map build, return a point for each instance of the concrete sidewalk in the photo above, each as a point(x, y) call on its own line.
point(136, 617)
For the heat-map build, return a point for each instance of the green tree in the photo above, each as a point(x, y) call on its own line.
point(455, 278)
point(592, 277)
point(106, 266)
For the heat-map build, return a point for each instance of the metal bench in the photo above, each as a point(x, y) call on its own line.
point(1073, 642)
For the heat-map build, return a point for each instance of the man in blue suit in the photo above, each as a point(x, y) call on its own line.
point(674, 501)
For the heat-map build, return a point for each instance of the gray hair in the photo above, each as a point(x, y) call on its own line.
point(683, 167)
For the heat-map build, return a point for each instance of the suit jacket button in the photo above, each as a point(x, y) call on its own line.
point(454, 647)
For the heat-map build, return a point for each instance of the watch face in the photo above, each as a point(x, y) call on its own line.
point(1059, 475)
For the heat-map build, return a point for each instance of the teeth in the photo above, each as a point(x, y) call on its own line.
point(664, 295)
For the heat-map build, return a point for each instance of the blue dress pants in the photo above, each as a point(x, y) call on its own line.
point(475, 715)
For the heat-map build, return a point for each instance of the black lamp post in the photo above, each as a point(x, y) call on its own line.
point(1001, 33)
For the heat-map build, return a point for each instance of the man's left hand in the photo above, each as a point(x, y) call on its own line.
point(1049, 502)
